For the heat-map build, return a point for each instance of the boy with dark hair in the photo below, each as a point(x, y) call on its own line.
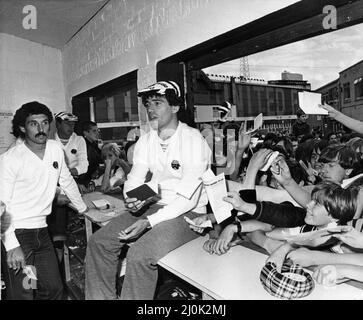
point(300, 127)
point(331, 205)
point(337, 162)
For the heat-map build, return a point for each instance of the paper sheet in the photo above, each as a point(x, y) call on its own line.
point(6, 139)
point(309, 103)
point(216, 189)
point(205, 224)
point(101, 204)
point(257, 123)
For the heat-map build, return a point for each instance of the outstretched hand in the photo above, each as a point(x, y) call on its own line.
point(259, 159)
point(278, 257)
point(235, 200)
point(223, 243)
point(244, 139)
point(332, 113)
point(350, 236)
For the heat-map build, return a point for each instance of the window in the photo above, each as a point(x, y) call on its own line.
point(346, 90)
point(117, 106)
point(324, 97)
point(332, 94)
point(112, 105)
point(358, 88)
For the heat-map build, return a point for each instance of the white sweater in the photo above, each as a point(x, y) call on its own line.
point(28, 185)
point(75, 152)
point(188, 149)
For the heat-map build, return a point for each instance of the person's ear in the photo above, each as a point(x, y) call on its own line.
point(175, 109)
point(22, 129)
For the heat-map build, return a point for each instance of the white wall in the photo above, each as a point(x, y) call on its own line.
point(29, 71)
point(129, 35)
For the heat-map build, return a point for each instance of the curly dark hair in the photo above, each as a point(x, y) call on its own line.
point(24, 112)
point(344, 154)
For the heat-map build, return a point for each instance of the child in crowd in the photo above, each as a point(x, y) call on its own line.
point(116, 169)
point(306, 257)
point(331, 205)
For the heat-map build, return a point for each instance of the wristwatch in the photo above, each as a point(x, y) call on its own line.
point(239, 227)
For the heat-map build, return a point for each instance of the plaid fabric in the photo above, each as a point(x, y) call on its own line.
point(283, 286)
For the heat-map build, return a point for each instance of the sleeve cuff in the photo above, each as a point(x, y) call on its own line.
point(11, 241)
point(80, 208)
point(257, 214)
point(83, 208)
point(155, 218)
point(248, 195)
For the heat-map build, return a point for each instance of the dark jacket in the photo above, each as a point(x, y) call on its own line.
point(300, 129)
point(281, 215)
point(94, 160)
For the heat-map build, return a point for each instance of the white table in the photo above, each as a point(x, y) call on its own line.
point(235, 275)
point(99, 217)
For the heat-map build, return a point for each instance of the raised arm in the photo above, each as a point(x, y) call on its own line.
point(279, 215)
point(351, 123)
point(243, 143)
point(257, 161)
point(282, 174)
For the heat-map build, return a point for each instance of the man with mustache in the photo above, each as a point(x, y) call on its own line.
point(29, 174)
point(177, 156)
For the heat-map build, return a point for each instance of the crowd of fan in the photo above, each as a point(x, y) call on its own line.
point(314, 183)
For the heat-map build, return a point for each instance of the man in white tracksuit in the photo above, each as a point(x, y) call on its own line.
point(177, 156)
point(29, 174)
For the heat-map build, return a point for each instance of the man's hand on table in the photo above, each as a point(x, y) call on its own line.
point(134, 230)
